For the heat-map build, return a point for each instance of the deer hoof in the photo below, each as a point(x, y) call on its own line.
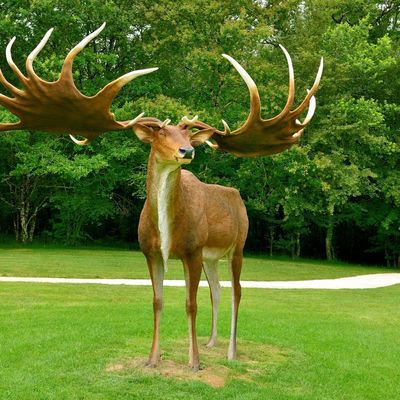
point(150, 364)
point(196, 368)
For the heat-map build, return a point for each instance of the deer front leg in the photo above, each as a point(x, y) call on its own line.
point(156, 269)
point(211, 271)
point(192, 266)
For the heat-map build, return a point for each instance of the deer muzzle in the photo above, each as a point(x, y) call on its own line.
point(186, 152)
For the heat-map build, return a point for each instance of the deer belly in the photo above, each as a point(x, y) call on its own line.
point(215, 253)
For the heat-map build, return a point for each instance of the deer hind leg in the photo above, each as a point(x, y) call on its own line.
point(236, 268)
point(211, 271)
point(156, 269)
point(192, 267)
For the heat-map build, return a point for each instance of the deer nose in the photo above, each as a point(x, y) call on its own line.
point(186, 152)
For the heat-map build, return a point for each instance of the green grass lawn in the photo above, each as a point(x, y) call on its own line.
point(89, 342)
point(116, 263)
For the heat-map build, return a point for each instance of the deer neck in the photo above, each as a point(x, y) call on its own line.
point(163, 182)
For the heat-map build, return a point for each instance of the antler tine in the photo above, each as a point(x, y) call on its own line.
point(290, 98)
point(111, 90)
point(22, 78)
point(310, 112)
point(227, 129)
point(134, 121)
point(189, 122)
point(10, 87)
point(66, 71)
point(7, 102)
point(255, 102)
point(35, 52)
point(165, 123)
point(311, 92)
point(10, 126)
point(84, 142)
point(212, 145)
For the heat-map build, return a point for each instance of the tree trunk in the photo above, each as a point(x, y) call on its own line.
point(295, 245)
point(17, 229)
point(24, 227)
point(271, 240)
point(32, 225)
point(25, 218)
point(396, 259)
point(292, 246)
point(298, 246)
point(387, 257)
point(330, 252)
point(24, 224)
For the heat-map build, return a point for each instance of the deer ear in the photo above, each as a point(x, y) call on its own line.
point(143, 132)
point(201, 136)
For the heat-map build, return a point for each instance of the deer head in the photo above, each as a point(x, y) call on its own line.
point(59, 107)
point(170, 144)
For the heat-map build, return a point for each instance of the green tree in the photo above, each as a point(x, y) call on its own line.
point(25, 178)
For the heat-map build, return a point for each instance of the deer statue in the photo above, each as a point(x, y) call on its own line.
point(182, 217)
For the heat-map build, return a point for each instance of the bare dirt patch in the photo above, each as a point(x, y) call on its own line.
point(254, 360)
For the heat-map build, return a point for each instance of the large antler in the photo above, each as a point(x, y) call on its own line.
point(59, 106)
point(257, 136)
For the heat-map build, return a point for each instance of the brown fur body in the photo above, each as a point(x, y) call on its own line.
point(210, 222)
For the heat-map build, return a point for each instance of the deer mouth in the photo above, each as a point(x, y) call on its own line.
point(182, 160)
point(184, 155)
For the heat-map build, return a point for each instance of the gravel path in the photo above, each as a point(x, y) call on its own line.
point(354, 282)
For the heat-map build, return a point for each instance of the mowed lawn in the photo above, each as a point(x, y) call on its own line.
point(90, 341)
point(116, 263)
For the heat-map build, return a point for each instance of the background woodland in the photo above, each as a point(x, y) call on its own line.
point(335, 195)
